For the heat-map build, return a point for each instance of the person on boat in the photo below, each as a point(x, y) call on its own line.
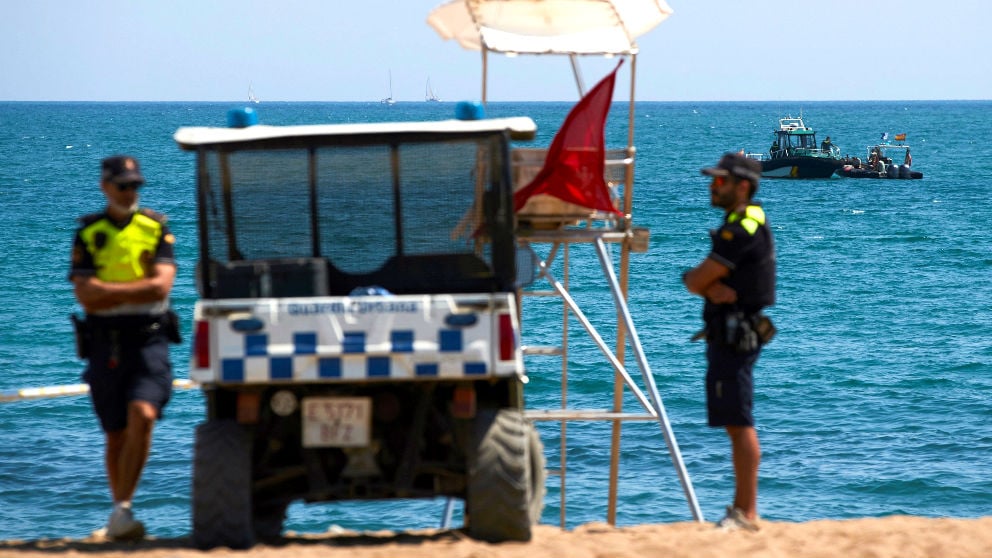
point(908, 161)
point(825, 145)
point(123, 268)
point(773, 149)
point(873, 159)
point(736, 281)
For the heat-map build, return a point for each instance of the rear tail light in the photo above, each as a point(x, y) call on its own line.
point(201, 344)
point(463, 402)
point(248, 407)
point(507, 337)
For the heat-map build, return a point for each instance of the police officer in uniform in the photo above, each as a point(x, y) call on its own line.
point(123, 268)
point(737, 280)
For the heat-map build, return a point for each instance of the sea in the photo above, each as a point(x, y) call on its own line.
point(874, 399)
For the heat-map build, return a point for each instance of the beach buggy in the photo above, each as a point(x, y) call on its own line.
point(356, 334)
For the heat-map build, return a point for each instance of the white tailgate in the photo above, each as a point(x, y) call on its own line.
point(355, 338)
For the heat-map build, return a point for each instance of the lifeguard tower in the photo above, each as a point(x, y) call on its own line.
point(577, 194)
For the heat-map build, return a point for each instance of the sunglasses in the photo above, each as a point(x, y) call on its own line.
point(125, 186)
point(719, 181)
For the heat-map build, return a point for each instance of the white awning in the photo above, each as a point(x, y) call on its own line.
point(548, 26)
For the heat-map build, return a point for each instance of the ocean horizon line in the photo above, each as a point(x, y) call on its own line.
point(433, 103)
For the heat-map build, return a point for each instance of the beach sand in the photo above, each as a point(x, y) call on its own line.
point(889, 537)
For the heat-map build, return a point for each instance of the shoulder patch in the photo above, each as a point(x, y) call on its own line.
point(750, 225)
point(756, 213)
point(153, 215)
point(169, 239)
point(726, 235)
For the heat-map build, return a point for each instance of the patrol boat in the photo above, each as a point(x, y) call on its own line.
point(880, 163)
point(796, 154)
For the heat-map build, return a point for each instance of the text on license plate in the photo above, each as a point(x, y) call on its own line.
point(337, 422)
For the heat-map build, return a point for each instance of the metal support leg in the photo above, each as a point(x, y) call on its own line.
point(449, 510)
point(673, 448)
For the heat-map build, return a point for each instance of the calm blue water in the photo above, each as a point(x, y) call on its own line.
point(873, 399)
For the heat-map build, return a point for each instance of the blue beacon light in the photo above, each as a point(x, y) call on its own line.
point(241, 117)
point(469, 110)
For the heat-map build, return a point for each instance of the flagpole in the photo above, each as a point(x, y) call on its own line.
point(577, 73)
point(485, 73)
point(630, 124)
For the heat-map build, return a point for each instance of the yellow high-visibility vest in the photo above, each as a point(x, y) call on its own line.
point(122, 255)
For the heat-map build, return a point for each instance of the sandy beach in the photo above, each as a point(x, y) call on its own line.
point(889, 537)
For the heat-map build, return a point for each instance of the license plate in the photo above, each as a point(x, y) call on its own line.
point(337, 422)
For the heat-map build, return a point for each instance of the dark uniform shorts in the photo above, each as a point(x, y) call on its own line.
point(729, 385)
point(127, 364)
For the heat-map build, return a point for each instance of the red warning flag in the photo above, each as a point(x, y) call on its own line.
point(576, 160)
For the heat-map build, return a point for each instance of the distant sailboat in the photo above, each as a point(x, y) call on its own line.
point(429, 95)
point(251, 95)
point(389, 100)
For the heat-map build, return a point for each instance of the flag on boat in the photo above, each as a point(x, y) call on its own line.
point(574, 168)
point(900, 137)
point(885, 136)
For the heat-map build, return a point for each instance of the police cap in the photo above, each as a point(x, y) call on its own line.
point(121, 169)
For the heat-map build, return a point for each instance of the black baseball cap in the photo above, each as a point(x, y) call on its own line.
point(122, 169)
point(737, 165)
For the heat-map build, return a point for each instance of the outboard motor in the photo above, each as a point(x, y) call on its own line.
point(904, 171)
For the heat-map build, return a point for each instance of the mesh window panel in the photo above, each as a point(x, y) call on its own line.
point(269, 205)
point(441, 187)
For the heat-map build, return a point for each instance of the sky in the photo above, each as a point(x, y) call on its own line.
point(340, 50)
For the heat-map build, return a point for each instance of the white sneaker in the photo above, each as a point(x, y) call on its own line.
point(123, 526)
point(735, 519)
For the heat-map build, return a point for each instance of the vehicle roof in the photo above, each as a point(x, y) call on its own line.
point(190, 138)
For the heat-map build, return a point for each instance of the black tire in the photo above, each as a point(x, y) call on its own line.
point(538, 475)
point(506, 477)
point(268, 519)
point(221, 496)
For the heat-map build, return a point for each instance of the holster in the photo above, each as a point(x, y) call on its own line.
point(764, 327)
point(740, 331)
point(83, 336)
point(170, 327)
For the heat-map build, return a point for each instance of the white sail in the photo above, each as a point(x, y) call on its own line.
point(389, 100)
point(429, 95)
